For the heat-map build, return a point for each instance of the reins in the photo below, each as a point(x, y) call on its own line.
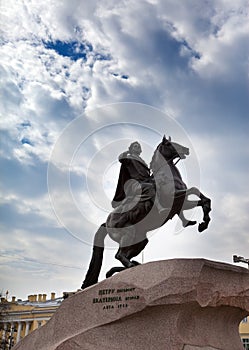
point(169, 160)
point(178, 160)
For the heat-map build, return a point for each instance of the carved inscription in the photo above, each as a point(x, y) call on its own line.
point(115, 298)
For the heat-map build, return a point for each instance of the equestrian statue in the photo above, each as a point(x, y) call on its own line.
point(145, 199)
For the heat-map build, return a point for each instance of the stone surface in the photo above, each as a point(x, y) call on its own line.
point(190, 304)
point(190, 347)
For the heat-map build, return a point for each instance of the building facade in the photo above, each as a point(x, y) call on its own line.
point(19, 318)
point(244, 332)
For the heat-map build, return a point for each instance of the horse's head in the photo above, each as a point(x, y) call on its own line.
point(172, 150)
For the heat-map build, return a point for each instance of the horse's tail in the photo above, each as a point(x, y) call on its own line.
point(97, 257)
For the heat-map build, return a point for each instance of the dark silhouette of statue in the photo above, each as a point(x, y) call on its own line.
point(145, 199)
point(133, 167)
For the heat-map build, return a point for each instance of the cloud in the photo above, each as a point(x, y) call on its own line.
point(69, 62)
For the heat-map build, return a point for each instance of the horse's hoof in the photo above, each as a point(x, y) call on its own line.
point(190, 223)
point(114, 270)
point(109, 274)
point(135, 262)
point(202, 226)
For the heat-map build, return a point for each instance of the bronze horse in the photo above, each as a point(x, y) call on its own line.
point(129, 223)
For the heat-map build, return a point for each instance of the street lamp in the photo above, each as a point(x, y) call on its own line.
point(238, 259)
point(11, 338)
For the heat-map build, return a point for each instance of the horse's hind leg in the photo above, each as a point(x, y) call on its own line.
point(136, 249)
point(125, 254)
point(125, 242)
point(122, 257)
point(128, 253)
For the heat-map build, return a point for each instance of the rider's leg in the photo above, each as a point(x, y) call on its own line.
point(149, 191)
point(162, 210)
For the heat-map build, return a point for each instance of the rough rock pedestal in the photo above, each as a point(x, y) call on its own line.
point(179, 304)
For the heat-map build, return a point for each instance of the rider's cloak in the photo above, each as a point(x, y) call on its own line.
point(132, 167)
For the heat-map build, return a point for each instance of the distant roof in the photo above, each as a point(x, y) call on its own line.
point(47, 303)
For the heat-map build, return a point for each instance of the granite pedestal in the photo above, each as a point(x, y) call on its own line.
point(179, 304)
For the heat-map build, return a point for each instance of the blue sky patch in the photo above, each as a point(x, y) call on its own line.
point(123, 76)
point(73, 49)
point(25, 140)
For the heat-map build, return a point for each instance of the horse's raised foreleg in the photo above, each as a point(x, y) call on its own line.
point(186, 222)
point(186, 206)
point(204, 202)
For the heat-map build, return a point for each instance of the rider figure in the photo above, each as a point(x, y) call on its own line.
point(134, 167)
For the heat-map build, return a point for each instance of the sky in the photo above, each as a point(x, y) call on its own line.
point(81, 80)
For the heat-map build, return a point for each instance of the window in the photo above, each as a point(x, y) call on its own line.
point(245, 342)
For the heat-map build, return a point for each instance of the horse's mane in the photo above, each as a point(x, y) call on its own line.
point(154, 156)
